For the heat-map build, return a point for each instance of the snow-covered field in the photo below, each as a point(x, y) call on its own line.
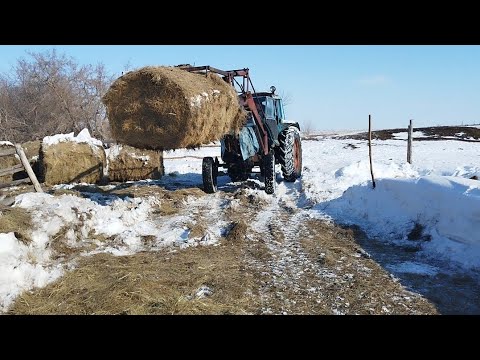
point(434, 195)
point(435, 191)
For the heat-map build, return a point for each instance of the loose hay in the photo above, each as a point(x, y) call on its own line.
point(168, 108)
point(16, 220)
point(148, 283)
point(126, 163)
point(72, 162)
point(238, 231)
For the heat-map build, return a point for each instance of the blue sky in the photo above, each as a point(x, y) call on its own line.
point(331, 87)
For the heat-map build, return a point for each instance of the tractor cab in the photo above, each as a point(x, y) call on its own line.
point(270, 108)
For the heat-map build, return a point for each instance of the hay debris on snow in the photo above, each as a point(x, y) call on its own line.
point(168, 108)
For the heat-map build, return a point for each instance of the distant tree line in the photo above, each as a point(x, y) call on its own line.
point(49, 93)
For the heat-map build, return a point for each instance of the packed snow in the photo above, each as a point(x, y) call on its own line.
point(434, 194)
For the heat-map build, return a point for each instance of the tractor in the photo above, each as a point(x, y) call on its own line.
point(265, 140)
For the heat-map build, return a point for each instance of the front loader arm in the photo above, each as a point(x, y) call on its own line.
point(260, 131)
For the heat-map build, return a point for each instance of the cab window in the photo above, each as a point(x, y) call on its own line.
point(280, 113)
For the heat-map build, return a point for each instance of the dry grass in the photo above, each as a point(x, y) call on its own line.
point(198, 229)
point(152, 108)
point(125, 163)
point(148, 283)
point(69, 162)
point(238, 231)
point(360, 282)
point(16, 220)
point(60, 248)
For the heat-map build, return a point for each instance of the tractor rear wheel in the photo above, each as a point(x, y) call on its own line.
point(269, 172)
point(290, 154)
point(209, 175)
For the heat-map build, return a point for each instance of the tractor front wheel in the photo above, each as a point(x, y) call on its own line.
point(269, 172)
point(209, 175)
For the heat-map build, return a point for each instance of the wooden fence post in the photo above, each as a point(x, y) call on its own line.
point(409, 145)
point(370, 147)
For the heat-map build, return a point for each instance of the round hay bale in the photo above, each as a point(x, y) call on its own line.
point(72, 162)
point(166, 108)
point(126, 163)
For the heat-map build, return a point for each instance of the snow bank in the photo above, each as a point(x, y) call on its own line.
point(23, 267)
point(82, 137)
point(435, 191)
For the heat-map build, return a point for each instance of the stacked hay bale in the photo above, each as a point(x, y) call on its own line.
point(69, 159)
point(164, 108)
point(32, 151)
point(126, 163)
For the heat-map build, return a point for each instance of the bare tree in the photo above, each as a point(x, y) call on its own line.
point(127, 67)
point(49, 93)
point(307, 127)
point(287, 97)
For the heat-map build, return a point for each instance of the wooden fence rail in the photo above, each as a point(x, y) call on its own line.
point(24, 165)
